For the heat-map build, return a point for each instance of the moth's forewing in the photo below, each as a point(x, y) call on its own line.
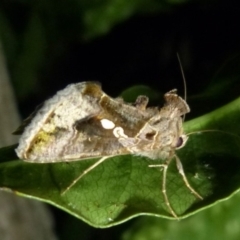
point(68, 126)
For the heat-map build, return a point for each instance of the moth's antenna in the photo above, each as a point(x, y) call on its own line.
point(184, 82)
point(212, 130)
point(184, 79)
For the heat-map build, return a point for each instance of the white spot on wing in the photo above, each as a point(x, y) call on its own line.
point(119, 132)
point(107, 124)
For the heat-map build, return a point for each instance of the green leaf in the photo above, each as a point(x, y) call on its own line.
point(100, 16)
point(124, 187)
point(220, 222)
point(131, 94)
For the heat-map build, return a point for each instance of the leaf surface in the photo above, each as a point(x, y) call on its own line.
point(124, 187)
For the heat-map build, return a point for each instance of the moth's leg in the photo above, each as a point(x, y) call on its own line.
point(181, 171)
point(85, 172)
point(164, 187)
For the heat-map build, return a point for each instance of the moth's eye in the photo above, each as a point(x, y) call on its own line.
point(179, 142)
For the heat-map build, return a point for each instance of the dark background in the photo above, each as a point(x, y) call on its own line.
point(51, 44)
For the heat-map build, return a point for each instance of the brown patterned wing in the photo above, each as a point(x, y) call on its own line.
point(70, 125)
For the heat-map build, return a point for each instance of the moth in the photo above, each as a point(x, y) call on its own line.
point(82, 122)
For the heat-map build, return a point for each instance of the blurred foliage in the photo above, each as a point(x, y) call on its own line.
point(222, 88)
point(220, 222)
point(35, 33)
